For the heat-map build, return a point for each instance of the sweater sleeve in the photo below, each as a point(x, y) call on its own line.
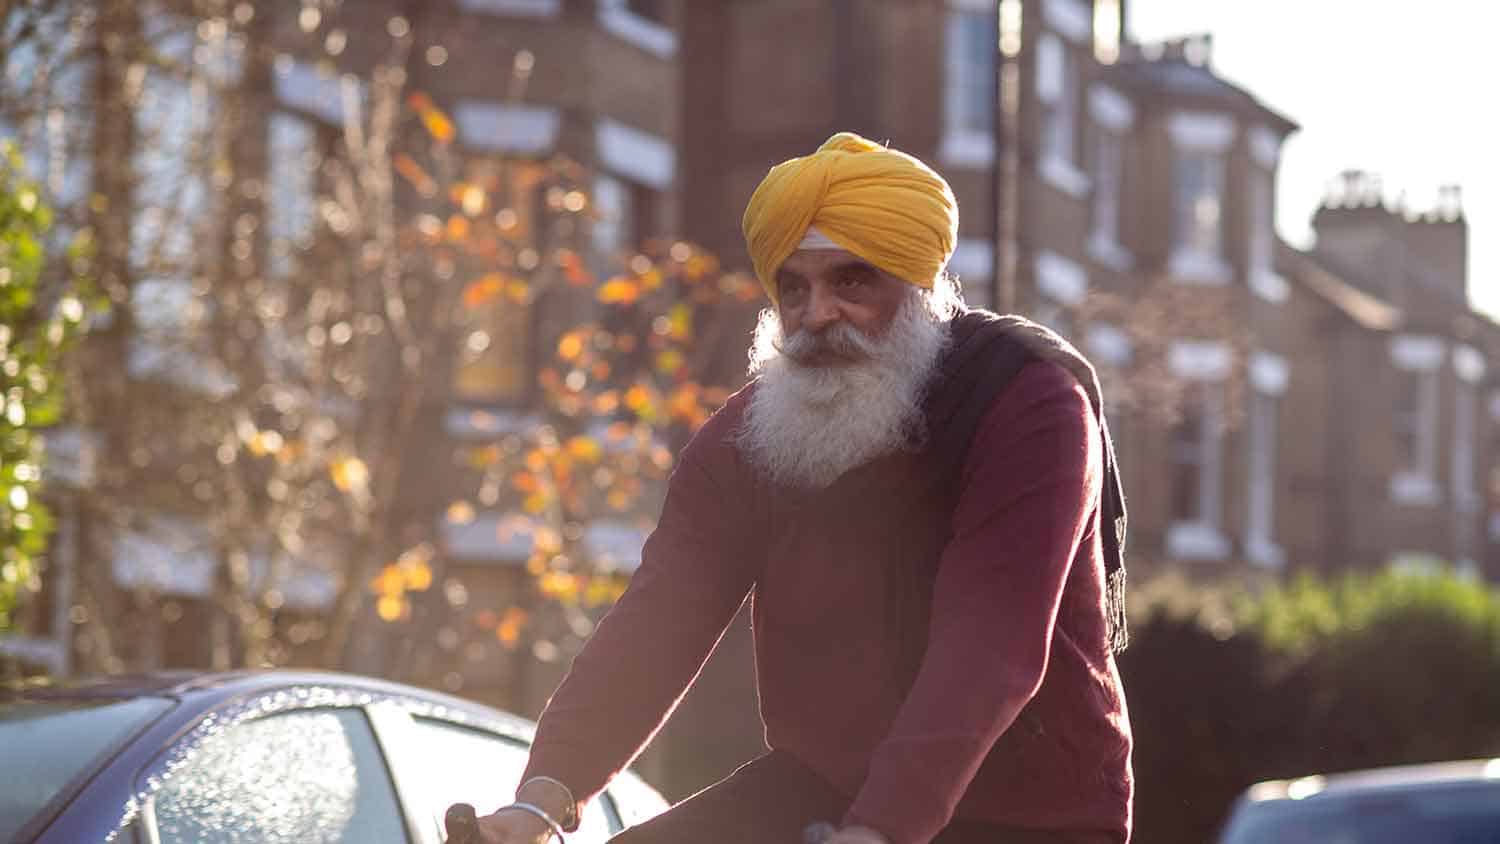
point(1030, 489)
point(696, 569)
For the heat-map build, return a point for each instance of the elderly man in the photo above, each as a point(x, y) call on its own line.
point(922, 501)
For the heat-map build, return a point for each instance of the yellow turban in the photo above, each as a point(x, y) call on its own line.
point(878, 203)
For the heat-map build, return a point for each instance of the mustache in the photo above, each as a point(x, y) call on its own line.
point(842, 341)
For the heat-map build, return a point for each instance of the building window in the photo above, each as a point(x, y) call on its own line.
point(1058, 91)
point(494, 361)
point(973, 262)
point(1061, 286)
point(1109, 155)
point(1468, 365)
point(1197, 203)
point(1201, 143)
point(651, 10)
point(1417, 362)
point(1264, 281)
point(1196, 452)
point(1195, 456)
point(293, 165)
point(640, 22)
point(1268, 376)
point(969, 98)
point(519, 8)
point(626, 216)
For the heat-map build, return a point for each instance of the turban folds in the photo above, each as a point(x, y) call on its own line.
point(875, 202)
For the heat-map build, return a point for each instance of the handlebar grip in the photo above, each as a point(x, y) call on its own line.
point(462, 824)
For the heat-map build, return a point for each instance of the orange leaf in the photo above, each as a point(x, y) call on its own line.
point(412, 172)
point(484, 289)
point(570, 346)
point(585, 449)
point(438, 125)
point(573, 268)
point(457, 228)
point(418, 577)
point(525, 482)
point(606, 402)
point(619, 291)
point(392, 607)
point(534, 503)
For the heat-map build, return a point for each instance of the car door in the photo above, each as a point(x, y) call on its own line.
point(296, 776)
point(466, 763)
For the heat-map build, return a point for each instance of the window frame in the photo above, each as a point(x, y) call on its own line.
point(1205, 365)
point(1419, 357)
point(1268, 379)
point(1059, 93)
point(964, 80)
point(1204, 136)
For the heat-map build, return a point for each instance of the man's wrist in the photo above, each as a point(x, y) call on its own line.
point(552, 796)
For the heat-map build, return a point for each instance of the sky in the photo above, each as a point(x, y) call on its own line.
point(1402, 89)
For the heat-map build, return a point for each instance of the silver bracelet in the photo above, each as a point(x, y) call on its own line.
point(541, 815)
point(572, 802)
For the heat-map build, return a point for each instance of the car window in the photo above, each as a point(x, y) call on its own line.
point(46, 745)
point(1461, 813)
point(634, 800)
point(298, 777)
point(474, 766)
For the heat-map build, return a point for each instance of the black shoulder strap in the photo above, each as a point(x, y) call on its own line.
point(986, 352)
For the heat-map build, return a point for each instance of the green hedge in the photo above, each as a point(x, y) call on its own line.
point(1314, 676)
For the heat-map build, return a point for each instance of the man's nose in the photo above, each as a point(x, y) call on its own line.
point(822, 310)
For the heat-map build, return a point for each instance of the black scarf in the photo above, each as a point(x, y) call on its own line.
point(985, 351)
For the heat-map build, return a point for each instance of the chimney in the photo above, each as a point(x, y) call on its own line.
point(1437, 245)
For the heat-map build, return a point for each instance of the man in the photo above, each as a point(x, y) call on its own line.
point(934, 647)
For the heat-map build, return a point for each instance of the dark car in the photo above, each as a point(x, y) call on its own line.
point(1440, 803)
point(272, 757)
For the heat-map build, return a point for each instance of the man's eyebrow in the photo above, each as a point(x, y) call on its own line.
point(853, 264)
point(785, 275)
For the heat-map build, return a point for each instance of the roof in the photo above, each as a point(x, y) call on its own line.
point(1177, 77)
point(1378, 779)
point(1363, 309)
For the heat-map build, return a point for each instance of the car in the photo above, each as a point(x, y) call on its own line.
point(263, 757)
point(1438, 803)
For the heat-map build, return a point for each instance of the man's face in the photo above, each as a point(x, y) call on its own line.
point(818, 289)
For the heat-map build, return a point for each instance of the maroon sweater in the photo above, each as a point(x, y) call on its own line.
point(1012, 714)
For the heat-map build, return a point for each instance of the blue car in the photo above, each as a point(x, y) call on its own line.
point(273, 757)
point(1439, 803)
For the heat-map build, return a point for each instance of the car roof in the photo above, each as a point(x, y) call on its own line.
point(203, 689)
point(1378, 779)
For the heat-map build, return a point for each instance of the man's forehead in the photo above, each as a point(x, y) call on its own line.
point(810, 261)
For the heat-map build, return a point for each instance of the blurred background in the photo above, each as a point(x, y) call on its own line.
point(362, 334)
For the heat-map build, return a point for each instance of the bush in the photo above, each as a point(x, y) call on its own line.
point(1314, 676)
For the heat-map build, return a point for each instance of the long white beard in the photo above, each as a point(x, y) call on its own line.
point(808, 425)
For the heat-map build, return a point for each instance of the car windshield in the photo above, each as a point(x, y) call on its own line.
point(1458, 813)
point(49, 744)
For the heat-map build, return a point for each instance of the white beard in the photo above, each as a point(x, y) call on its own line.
point(808, 425)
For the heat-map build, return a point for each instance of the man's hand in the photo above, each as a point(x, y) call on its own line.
point(857, 835)
point(513, 827)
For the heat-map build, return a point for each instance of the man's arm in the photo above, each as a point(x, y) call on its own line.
point(696, 569)
point(1031, 487)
